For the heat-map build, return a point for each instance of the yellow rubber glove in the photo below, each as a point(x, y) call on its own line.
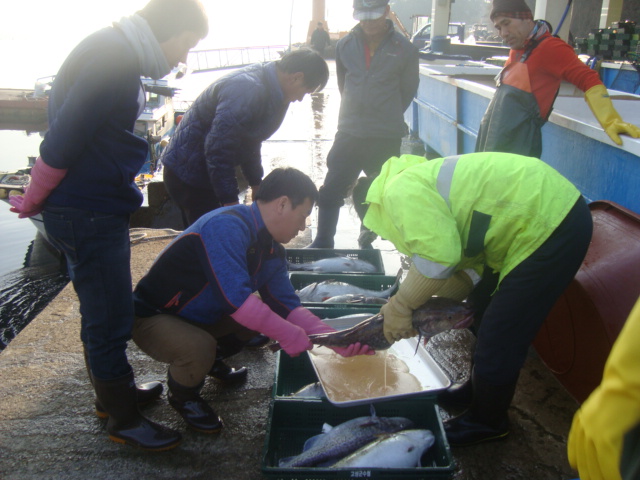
point(413, 292)
point(596, 437)
point(457, 288)
point(598, 100)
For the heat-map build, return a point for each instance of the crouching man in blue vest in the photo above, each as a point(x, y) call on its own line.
point(515, 221)
point(197, 304)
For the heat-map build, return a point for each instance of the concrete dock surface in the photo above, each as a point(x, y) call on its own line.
point(48, 429)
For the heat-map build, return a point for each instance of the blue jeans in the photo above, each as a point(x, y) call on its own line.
point(96, 246)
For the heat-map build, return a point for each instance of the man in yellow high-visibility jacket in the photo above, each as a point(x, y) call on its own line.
point(514, 220)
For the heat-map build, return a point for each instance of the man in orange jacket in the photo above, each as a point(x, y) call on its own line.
point(527, 86)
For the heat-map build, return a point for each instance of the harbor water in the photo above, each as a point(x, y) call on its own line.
point(30, 273)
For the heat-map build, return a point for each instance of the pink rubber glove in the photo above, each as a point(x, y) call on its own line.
point(256, 315)
point(312, 324)
point(43, 180)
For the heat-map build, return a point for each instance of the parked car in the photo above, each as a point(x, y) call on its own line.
point(422, 38)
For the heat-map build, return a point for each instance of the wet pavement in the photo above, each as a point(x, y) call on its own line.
point(48, 429)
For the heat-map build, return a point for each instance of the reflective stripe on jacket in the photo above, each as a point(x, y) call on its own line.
point(467, 211)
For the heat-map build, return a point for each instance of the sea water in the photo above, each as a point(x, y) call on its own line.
point(30, 272)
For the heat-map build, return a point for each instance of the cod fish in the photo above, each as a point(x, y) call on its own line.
point(356, 298)
point(322, 291)
point(337, 442)
point(397, 450)
point(313, 390)
point(437, 315)
point(335, 264)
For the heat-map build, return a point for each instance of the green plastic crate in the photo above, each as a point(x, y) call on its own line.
point(378, 283)
point(307, 255)
point(291, 375)
point(292, 423)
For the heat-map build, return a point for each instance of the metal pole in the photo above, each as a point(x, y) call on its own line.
point(290, 24)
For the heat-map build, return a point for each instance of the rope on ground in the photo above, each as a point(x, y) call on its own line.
point(141, 235)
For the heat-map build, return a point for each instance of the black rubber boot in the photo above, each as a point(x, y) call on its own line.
point(486, 419)
point(228, 346)
point(145, 392)
point(258, 341)
point(327, 224)
point(126, 424)
point(226, 374)
point(366, 238)
point(457, 395)
point(191, 406)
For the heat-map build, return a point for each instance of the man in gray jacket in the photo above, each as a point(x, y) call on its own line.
point(377, 71)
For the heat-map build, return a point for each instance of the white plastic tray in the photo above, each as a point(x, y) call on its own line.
point(421, 365)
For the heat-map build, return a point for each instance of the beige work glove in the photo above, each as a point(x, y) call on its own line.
point(413, 292)
point(600, 103)
point(457, 288)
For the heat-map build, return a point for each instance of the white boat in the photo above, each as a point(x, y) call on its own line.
point(157, 122)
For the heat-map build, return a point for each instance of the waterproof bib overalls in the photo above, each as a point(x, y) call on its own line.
point(512, 122)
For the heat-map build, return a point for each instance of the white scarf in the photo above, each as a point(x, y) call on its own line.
point(153, 63)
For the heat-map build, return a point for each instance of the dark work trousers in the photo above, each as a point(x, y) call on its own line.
point(526, 295)
point(192, 201)
point(348, 157)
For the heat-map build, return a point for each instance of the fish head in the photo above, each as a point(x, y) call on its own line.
point(439, 314)
point(308, 290)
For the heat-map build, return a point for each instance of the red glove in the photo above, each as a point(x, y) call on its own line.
point(43, 180)
point(256, 315)
point(312, 324)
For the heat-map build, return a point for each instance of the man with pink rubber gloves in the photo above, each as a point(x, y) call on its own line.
point(83, 184)
point(197, 303)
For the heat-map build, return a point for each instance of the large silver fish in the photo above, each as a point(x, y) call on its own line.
point(312, 390)
point(356, 298)
point(397, 450)
point(335, 265)
point(337, 442)
point(436, 315)
point(322, 291)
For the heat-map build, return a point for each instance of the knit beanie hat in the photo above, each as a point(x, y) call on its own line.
point(512, 9)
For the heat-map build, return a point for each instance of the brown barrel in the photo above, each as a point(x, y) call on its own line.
point(577, 336)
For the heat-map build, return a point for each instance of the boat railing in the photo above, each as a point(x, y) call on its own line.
point(43, 86)
point(222, 58)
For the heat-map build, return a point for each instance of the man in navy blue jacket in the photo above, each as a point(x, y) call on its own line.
point(83, 183)
point(225, 128)
point(200, 291)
